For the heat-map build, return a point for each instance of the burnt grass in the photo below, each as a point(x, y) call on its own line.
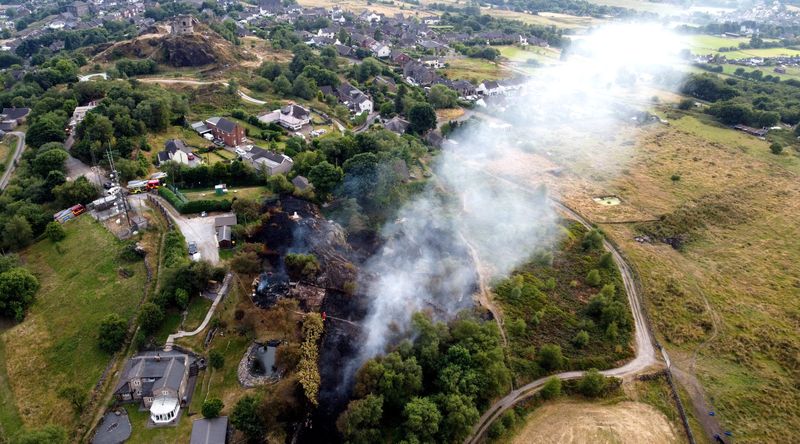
point(552, 299)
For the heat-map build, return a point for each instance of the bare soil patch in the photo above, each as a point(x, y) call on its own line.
point(580, 422)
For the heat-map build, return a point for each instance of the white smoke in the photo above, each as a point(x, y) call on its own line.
point(567, 111)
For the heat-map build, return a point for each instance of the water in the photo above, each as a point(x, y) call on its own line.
point(264, 361)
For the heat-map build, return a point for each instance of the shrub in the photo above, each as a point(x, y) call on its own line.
point(581, 339)
point(216, 360)
point(592, 240)
point(55, 232)
point(592, 384)
point(776, 148)
point(212, 407)
point(593, 278)
point(150, 317)
point(550, 357)
point(551, 389)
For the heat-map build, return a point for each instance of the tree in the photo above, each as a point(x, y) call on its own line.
point(422, 419)
point(75, 396)
point(112, 332)
point(247, 419)
point(606, 261)
point(150, 317)
point(422, 118)
point(50, 160)
point(581, 339)
point(440, 96)
point(551, 388)
point(8, 261)
point(47, 128)
point(361, 422)
point(181, 298)
point(592, 384)
point(246, 209)
point(212, 407)
point(304, 87)
point(79, 191)
point(246, 262)
point(685, 104)
point(325, 177)
point(17, 289)
point(17, 233)
point(55, 232)
point(593, 278)
point(776, 148)
point(216, 360)
point(282, 85)
point(458, 416)
point(550, 357)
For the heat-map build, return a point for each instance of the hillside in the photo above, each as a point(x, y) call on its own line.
point(203, 47)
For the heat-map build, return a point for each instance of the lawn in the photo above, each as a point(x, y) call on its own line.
point(521, 55)
point(243, 192)
point(80, 284)
point(474, 70)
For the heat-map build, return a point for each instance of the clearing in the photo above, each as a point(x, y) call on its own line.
point(256, 193)
point(80, 284)
point(710, 44)
point(567, 422)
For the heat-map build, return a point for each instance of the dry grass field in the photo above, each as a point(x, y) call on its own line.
point(726, 305)
point(573, 422)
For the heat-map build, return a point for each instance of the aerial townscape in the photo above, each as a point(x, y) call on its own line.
point(399, 221)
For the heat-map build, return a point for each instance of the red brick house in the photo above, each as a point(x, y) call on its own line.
point(225, 130)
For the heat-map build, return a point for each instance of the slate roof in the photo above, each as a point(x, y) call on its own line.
point(226, 125)
point(15, 113)
point(174, 145)
point(225, 221)
point(210, 431)
point(156, 369)
point(300, 182)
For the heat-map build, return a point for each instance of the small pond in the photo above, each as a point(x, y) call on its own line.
point(608, 200)
point(263, 361)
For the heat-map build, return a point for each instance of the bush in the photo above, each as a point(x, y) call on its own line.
point(216, 360)
point(111, 334)
point(150, 317)
point(685, 104)
point(551, 389)
point(212, 407)
point(55, 232)
point(592, 384)
point(581, 339)
point(776, 148)
point(593, 278)
point(592, 240)
point(550, 357)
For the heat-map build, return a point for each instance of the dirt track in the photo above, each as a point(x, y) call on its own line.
point(569, 422)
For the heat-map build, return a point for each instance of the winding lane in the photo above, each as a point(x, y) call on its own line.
point(14, 160)
point(645, 349)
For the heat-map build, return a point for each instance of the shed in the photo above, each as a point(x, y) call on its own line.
point(224, 236)
point(210, 431)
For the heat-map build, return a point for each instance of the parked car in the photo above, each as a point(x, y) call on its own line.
point(108, 185)
point(192, 248)
point(113, 190)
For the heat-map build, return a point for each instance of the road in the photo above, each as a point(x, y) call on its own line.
point(14, 160)
point(645, 350)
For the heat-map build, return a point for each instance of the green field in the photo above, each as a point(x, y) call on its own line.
point(710, 44)
point(520, 55)
point(7, 147)
point(56, 343)
point(244, 192)
point(474, 70)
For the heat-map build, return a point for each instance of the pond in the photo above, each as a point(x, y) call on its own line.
point(608, 200)
point(263, 361)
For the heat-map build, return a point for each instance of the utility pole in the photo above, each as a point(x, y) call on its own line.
point(120, 203)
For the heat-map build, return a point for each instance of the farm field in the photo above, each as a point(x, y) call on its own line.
point(80, 283)
point(662, 8)
point(474, 70)
point(709, 44)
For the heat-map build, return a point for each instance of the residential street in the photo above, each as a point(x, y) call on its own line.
point(17, 154)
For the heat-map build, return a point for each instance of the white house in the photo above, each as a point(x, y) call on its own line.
point(380, 50)
point(292, 117)
point(490, 88)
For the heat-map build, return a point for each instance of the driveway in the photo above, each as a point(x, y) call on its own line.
point(76, 169)
point(194, 229)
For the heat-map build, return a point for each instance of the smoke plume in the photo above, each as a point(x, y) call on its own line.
point(470, 223)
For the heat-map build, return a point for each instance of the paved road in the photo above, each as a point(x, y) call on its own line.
point(645, 350)
point(184, 334)
point(14, 160)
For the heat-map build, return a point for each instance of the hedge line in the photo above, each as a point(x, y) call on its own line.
point(193, 206)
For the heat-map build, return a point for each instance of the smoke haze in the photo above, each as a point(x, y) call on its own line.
point(468, 220)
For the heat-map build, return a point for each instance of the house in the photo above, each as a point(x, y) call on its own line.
point(79, 114)
point(435, 47)
point(177, 151)
point(489, 88)
point(758, 132)
point(389, 82)
point(344, 51)
point(77, 9)
point(432, 62)
point(463, 87)
point(159, 381)
point(397, 125)
point(292, 117)
point(380, 50)
point(11, 117)
point(400, 58)
point(418, 74)
point(228, 132)
point(301, 183)
point(354, 99)
point(269, 162)
point(210, 431)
